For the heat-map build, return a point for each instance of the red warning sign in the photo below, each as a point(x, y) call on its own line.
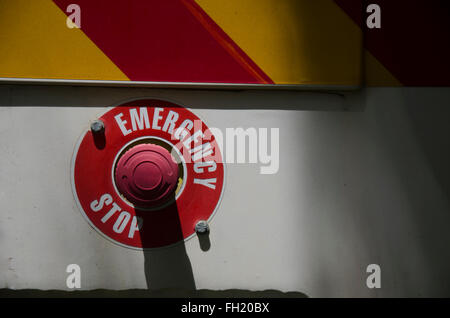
point(146, 172)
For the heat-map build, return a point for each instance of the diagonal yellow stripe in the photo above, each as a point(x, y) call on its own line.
point(376, 74)
point(36, 43)
point(293, 41)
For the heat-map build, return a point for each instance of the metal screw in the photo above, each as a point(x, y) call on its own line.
point(201, 227)
point(97, 126)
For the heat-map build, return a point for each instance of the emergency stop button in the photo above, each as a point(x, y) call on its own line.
point(147, 175)
point(127, 184)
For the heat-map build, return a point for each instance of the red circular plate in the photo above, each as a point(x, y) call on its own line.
point(148, 121)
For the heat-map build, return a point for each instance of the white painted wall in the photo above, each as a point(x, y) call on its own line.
point(363, 179)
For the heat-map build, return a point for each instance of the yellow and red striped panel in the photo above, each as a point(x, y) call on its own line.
point(238, 42)
point(291, 42)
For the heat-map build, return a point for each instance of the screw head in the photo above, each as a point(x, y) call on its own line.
point(202, 227)
point(97, 126)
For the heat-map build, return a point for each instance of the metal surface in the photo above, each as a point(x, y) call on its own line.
point(358, 184)
point(179, 85)
point(202, 227)
point(97, 126)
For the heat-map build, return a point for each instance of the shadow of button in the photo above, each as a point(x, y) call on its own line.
point(167, 266)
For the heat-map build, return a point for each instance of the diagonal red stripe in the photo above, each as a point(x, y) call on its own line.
point(227, 43)
point(152, 40)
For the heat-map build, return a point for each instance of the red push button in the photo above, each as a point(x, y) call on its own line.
point(147, 175)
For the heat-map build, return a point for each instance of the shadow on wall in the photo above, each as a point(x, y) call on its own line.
point(141, 293)
point(430, 114)
point(412, 129)
point(168, 266)
point(80, 96)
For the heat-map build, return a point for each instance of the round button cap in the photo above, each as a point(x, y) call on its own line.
point(147, 175)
